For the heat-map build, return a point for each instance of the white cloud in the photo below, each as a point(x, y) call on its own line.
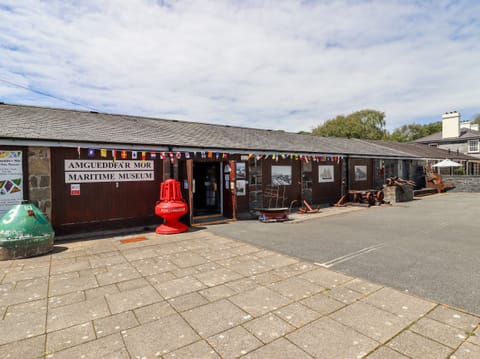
point(274, 64)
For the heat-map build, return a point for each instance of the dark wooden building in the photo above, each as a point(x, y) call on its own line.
point(93, 171)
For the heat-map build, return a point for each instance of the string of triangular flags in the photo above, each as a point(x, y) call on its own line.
point(297, 157)
point(171, 155)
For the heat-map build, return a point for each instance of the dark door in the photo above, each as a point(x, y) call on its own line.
point(229, 190)
point(206, 186)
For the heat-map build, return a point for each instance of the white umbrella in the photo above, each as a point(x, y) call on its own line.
point(447, 163)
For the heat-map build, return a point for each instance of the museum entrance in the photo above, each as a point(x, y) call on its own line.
point(211, 194)
point(206, 188)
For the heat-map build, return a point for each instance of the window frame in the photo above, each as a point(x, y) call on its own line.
point(473, 146)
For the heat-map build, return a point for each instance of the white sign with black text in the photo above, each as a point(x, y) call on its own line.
point(91, 171)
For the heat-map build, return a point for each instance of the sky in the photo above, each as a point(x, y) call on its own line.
point(286, 65)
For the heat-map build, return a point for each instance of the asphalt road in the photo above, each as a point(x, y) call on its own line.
point(429, 247)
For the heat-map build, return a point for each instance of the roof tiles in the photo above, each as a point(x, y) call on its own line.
point(49, 124)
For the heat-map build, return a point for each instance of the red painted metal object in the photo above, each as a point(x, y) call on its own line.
point(171, 207)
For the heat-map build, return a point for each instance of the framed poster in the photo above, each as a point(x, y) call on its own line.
point(240, 170)
point(360, 173)
point(11, 180)
point(281, 175)
point(241, 187)
point(325, 174)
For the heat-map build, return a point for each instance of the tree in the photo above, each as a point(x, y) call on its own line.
point(407, 133)
point(476, 119)
point(365, 124)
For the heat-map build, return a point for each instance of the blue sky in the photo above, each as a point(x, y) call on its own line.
point(276, 64)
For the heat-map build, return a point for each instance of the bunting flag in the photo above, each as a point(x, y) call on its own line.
point(123, 154)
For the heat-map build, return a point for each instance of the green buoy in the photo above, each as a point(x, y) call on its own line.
point(25, 232)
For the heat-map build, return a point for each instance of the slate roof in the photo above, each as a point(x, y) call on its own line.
point(30, 123)
point(425, 151)
point(465, 135)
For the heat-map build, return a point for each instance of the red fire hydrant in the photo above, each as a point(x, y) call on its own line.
point(171, 207)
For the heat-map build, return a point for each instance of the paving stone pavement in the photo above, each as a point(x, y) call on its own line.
point(198, 295)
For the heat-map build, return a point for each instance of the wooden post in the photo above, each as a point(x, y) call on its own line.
point(233, 188)
point(190, 188)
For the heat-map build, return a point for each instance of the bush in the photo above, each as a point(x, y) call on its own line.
point(459, 171)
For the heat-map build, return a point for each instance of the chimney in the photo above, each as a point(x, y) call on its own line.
point(451, 124)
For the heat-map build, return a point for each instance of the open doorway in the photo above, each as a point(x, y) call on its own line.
point(206, 188)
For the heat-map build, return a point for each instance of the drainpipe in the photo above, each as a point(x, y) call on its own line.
point(346, 184)
point(172, 170)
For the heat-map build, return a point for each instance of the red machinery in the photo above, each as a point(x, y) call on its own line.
point(171, 207)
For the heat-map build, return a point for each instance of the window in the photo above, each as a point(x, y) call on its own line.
point(473, 146)
point(255, 183)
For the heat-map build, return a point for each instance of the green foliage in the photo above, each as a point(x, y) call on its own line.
point(365, 124)
point(459, 171)
point(476, 119)
point(370, 125)
point(407, 133)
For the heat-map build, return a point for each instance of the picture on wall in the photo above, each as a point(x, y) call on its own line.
point(360, 173)
point(240, 170)
point(281, 175)
point(241, 188)
point(11, 180)
point(325, 174)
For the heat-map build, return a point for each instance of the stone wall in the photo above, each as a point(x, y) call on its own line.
point(39, 179)
point(395, 194)
point(463, 183)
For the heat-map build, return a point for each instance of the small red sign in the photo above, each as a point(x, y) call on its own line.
point(75, 189)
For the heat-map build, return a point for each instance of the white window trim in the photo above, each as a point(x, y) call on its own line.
point(469, 146)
